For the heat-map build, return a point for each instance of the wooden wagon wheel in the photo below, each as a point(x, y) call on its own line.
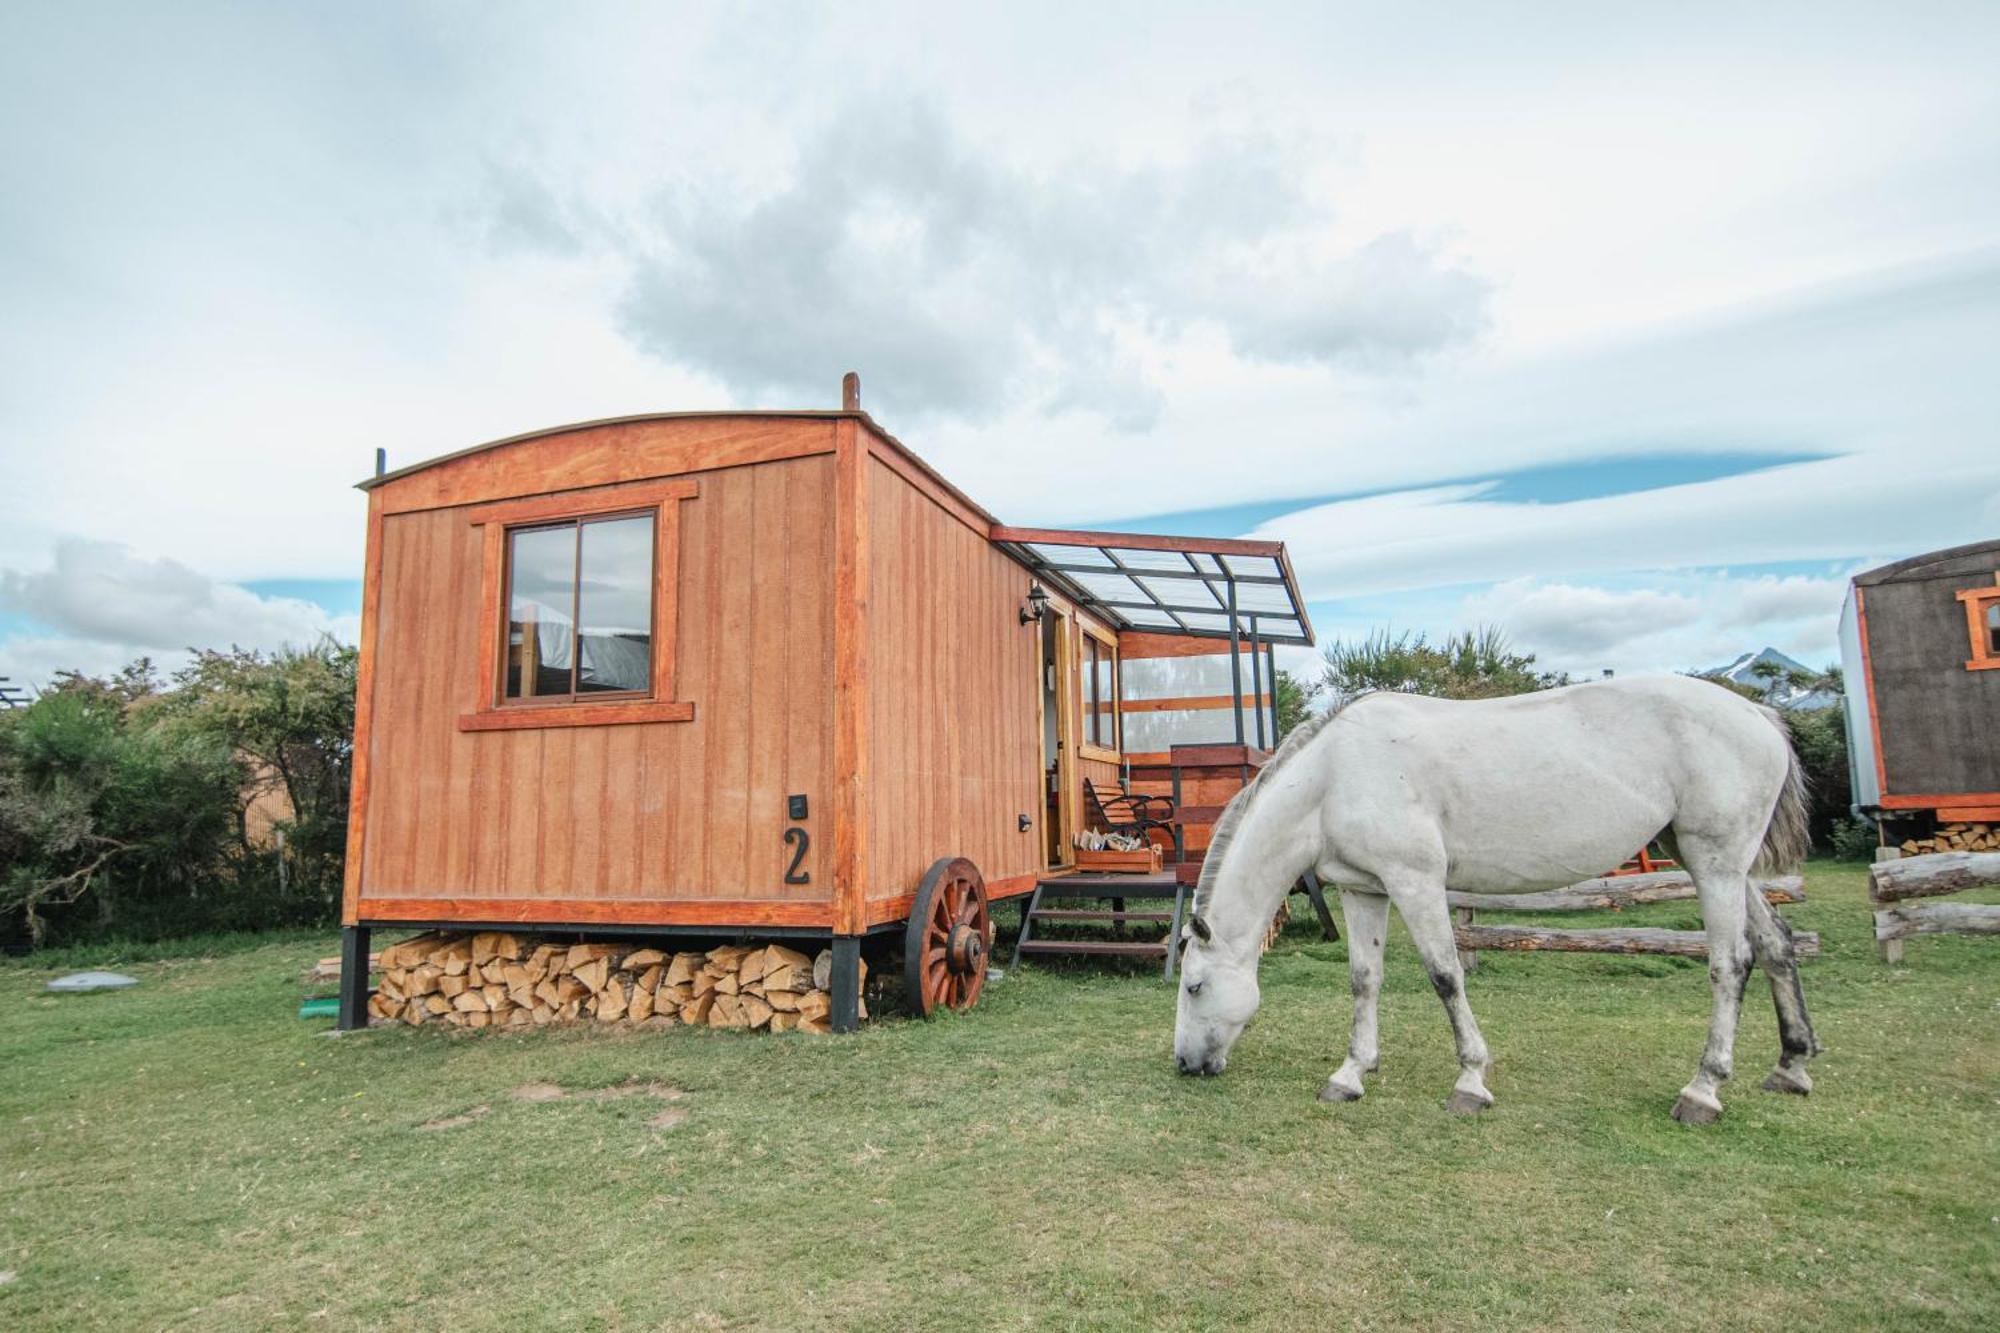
point(949, 937)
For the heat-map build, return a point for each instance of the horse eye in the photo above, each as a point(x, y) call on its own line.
point(1195, 987)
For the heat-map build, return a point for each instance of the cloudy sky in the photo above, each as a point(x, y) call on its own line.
point(1632, 334)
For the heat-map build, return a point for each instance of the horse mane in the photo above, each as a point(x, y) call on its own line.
point(1232, 814)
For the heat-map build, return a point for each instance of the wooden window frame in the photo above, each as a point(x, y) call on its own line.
point(1108, 647)
point(1977, 602)
point(494, 712)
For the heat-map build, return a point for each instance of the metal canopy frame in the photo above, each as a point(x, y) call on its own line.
point(1223, 588)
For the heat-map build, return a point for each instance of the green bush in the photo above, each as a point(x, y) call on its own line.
point(123, 800)
point(1855, 840)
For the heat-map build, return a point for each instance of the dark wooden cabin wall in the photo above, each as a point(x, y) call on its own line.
point(1939, 723)
point(666, 811)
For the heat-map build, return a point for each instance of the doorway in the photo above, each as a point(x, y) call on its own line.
point(1058, 695)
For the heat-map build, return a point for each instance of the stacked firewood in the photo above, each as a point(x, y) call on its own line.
point(1974, 837)
point(498, 979)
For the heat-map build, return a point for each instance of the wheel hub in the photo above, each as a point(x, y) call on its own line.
point(967, 949)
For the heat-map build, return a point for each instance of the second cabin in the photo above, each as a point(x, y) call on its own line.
point(762, 671)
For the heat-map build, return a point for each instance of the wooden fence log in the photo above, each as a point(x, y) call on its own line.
point(1932, 876)
point(1629, 939)
point(1906, 919)
point(1617, 891)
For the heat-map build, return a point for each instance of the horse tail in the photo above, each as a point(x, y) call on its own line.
point(1788, 837)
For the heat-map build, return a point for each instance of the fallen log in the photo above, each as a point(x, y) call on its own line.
point(1906, 919)
point(1616, 892)
point(1932, 876)
point(1628, 939)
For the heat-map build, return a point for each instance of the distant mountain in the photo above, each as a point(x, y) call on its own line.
point(1778, 689)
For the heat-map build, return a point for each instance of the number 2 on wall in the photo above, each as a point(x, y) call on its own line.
point(800, 840)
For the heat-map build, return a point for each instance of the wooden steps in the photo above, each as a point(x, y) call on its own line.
point(1105, 948)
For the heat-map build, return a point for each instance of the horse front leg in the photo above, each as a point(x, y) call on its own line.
point(1428, 919)
point(1367, 917)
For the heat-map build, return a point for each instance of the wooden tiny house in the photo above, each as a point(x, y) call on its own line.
point(747, 672)
point(1920, 649)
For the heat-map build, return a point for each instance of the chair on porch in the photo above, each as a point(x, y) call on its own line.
point(1116, 810)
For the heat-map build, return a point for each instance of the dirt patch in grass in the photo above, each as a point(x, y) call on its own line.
point(457, 1121)
point(552, 1092)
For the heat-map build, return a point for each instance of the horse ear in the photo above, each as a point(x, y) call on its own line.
point(1199, 927)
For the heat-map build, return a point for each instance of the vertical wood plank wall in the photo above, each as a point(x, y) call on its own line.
point(663, 811)
point(953, 711)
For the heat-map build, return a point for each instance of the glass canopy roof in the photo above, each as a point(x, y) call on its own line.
point(1169, 585)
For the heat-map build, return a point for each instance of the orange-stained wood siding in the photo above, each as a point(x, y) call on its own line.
point(951, 713)
point(605, 454)
point(667, 811)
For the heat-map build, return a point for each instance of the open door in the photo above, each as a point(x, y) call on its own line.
point(1060, 792)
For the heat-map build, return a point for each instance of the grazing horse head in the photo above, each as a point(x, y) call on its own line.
point(1219, 997)
point(1262, 842)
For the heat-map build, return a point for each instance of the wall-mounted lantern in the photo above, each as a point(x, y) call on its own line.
point(1038, 604)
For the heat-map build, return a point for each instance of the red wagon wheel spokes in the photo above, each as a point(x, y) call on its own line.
point(949, 938)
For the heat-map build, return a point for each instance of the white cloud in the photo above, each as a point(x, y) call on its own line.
point(967, 285)
point(108, 605)
point(1684, 622)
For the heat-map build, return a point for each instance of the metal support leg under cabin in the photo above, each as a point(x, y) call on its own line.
point(846, 1015)
point(1317, 897)
point(353, 978)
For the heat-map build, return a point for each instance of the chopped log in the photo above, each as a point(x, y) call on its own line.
point(815, 1004)
point(579, 954)
point(593, 974)
point(787, 970)
point(454, 956)
point(823, 970)
point(437, 1004)
point(1906, 919)
point(1616, 892)
point(728, 957)
point(641, 959)
point(754, 965)
point(727, 983)
point(1642, 939)
point(451, 986)
point(422, 980)
point(755, 1011)
point(649, 980)
point(1932, 876)
point(703, 983)
point(640, 1007)
point(391, 987)
point(409, 953)
point(494, 994)
point(680, 972)
point(612, 1001)
point(469, 1002)
point(499, 944)
point(784, 1001)
point(697, 1009)
point(782, 1021)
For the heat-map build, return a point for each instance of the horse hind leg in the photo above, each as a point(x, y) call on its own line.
point(1771, 941)
point(1724, 912)
point(1367, 917)
point(1426, 916)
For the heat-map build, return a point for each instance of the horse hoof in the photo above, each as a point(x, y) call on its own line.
point(1467, 1103)
point(1333, 1092)
point(1691, 1112)
point(1784, 1080)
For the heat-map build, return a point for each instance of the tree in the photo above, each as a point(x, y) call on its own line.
point(1293, 699)
point(1472, 664)
point(123, 799)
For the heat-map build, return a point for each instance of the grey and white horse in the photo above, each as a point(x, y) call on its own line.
point(1396, 798)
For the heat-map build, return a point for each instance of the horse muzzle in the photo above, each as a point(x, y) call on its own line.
point(1206, 1067)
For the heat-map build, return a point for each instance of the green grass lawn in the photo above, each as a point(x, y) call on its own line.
point(190, 1154)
